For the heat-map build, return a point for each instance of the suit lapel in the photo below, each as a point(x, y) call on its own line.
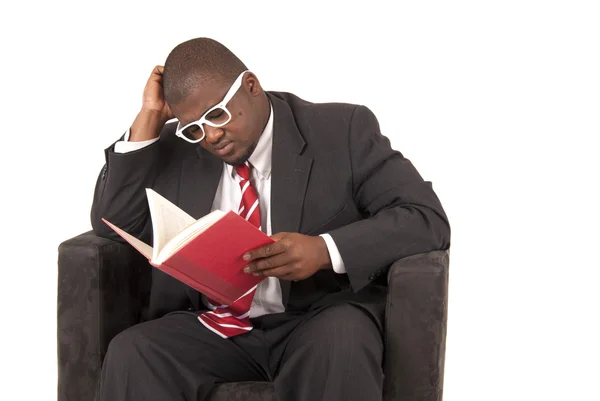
point(199, 181)
point(289, 177)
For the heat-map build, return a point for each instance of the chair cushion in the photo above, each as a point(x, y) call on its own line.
point(243, 391)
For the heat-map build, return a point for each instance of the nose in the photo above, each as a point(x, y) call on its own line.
point(213, 134)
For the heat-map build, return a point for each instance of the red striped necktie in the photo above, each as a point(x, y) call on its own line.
point(232, 320)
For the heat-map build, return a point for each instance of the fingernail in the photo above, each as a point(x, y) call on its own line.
point(246, 269)
point(246, 256)
point(256, 274)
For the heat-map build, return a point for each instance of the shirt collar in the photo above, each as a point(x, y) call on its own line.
point(261, 157)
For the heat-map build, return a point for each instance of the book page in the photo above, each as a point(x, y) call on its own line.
point(167, 220)
point(188, 234)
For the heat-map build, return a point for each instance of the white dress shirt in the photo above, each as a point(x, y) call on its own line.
point(267, 298)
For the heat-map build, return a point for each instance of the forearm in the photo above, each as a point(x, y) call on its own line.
point(120, 195)
point(368, 247)
point(132, 165)
point(146, 126)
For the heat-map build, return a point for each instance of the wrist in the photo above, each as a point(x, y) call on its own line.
point(325, 259)
point(147, 125)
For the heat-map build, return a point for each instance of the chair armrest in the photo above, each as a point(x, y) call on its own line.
point(416, 317)
point(103, 287)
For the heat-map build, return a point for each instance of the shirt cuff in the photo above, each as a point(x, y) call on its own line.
point(334, 254)
point(125, 146)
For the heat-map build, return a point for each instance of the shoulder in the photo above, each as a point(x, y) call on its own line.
point(333, 117)
point(302, 108)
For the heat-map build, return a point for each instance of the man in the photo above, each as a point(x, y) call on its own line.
point(320, 178)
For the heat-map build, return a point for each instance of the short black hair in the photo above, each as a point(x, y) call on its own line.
point(195, 62)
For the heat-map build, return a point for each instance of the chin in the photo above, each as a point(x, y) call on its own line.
point(235, 162)
point(235, 159)
point(239, 157)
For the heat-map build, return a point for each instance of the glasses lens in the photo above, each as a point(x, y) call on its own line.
point(193, 132)
point(218, 117)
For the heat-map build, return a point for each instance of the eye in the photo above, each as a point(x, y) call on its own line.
point(215, 114)
point(192, 128)
point(192, 131)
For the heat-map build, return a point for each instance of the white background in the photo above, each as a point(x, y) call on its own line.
point(495, 102)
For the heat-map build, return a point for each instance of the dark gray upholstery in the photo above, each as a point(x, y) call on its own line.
point(103, 287)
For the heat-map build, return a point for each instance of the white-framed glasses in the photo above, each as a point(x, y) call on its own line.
point(216, 116)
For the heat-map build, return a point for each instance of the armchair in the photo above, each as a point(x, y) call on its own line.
point(103, 286)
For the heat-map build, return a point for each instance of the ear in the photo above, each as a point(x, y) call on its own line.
point(252, 84)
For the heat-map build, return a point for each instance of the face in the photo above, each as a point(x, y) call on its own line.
point(234, 142)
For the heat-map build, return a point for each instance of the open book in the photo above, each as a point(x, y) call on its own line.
point(205, 254)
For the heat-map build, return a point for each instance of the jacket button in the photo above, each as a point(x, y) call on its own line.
point(372, 277)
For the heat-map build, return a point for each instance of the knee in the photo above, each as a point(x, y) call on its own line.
point(347, 330)
point(125, 346)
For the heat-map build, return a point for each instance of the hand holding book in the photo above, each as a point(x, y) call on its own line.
point(293, 256)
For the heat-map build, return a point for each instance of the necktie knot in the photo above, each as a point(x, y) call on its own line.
point(243, 171)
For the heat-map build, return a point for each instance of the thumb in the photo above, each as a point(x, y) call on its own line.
point(278, 236)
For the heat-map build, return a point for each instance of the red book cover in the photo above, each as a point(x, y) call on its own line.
point(211, 262)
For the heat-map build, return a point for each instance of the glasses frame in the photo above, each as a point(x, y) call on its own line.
point(235, 86)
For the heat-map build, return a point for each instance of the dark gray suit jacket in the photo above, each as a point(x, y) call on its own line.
point(332, 172)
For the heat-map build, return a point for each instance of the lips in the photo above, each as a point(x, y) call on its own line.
point(223, 148)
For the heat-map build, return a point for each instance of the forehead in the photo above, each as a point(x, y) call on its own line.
point(199, 101)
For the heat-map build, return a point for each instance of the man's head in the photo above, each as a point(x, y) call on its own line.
point(197, 75)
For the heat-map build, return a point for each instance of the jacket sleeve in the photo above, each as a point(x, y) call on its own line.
point(120, 195)
point(403, 215)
